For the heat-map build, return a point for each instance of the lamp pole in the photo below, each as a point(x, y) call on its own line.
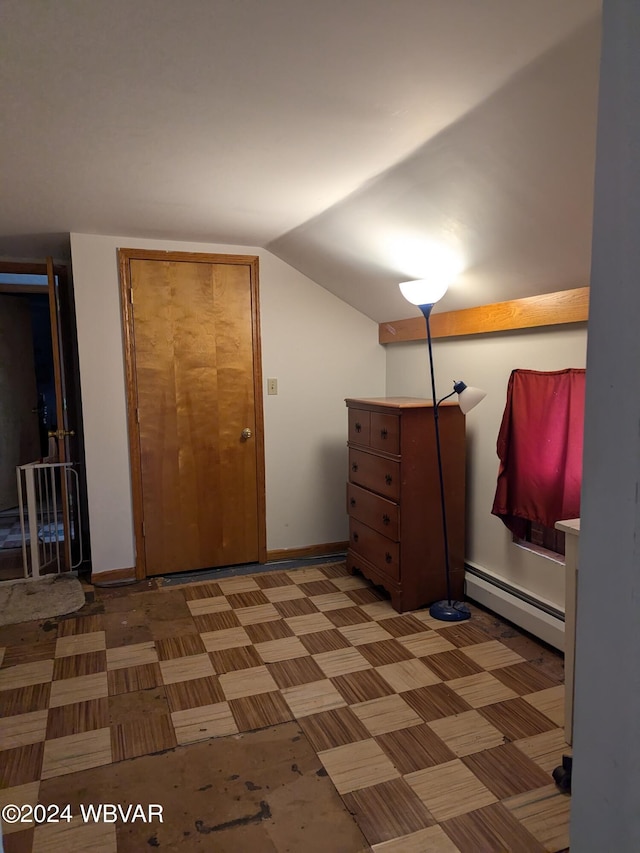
point(425, 293)
point(449, 610)
point(426, 310)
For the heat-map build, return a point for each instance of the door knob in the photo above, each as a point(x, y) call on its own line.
point(60, 433)
point(246, 433)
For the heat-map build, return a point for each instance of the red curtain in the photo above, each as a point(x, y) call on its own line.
point(540, 449)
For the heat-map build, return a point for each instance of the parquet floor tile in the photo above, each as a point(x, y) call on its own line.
point(438, 736)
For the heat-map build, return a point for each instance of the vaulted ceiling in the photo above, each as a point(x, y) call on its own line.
point(345, 136)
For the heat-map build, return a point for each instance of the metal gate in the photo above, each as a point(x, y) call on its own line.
point(48, 504)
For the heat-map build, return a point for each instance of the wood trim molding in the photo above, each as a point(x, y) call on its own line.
point(132, 402)
point(185, 257)
point(329, 549)
point(29, 268)
point(24, 288)
point(547, 309)
point(113, 576)
point(258, 404)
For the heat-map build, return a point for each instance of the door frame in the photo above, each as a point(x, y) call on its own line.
point(62, 318)
point(125, 256)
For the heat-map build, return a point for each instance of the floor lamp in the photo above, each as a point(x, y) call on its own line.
point(425, 294)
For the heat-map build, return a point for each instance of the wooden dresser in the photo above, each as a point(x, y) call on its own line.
point(393, 497)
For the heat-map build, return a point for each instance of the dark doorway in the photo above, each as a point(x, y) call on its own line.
point(28, 404)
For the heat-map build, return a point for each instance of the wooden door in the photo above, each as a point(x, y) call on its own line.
point(195, 409)
point(62, 434)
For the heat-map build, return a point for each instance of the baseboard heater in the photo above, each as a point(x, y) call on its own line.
point(523, 609)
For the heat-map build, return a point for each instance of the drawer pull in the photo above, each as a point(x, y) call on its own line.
point(388, 557)
point(355, 537)
point(354, 466)
point(383, 433)
point(388, 479)
point(352, 502)
point(386, 519)
point(358, 427)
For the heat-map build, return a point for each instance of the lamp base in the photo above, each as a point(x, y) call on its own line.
point(449, 611)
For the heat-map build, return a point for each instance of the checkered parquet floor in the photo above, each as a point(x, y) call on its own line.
point(437, 736)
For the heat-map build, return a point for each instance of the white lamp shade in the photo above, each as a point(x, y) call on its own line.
point(423, 291)
point(470, 397)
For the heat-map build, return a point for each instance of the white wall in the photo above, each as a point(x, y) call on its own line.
point(486, 362)
point(319, 348)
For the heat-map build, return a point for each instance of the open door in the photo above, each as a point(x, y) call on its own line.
point(63, 433)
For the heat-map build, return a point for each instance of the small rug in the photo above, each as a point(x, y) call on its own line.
point(43, 598)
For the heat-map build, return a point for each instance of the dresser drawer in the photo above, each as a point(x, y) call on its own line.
point(385, 432)
point(359, 426)
point(375, 472)
point(376, 512)
point(377, 549)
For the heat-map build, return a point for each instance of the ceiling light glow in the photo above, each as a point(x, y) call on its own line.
point(421, 258)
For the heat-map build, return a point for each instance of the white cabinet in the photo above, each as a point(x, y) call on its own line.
point(571, 528)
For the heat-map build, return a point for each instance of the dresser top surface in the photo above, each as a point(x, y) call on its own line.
point(395, 402)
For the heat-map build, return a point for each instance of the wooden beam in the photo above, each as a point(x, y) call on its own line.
point(548, 309)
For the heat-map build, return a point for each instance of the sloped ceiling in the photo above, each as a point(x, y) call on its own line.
point(340, 135)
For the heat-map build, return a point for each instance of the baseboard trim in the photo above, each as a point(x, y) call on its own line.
point(523, 610)
point(329, 549)
point(113, 576)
